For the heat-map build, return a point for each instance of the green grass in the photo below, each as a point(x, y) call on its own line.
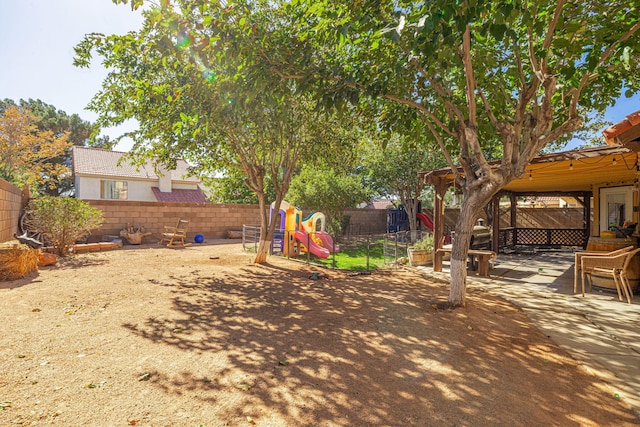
point(353, 256)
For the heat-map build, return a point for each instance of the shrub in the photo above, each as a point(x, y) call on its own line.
point(424, 244)
point(62, 220)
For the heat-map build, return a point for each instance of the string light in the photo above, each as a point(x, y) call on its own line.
point(571, 165)
point(530, 176)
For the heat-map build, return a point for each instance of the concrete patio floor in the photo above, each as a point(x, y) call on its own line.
point(598, 330)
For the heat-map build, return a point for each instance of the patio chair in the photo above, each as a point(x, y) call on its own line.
point(175, 235)
point(578, 258)
point(615, 265)
point(624, 276)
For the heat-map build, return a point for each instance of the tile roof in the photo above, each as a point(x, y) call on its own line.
point(97, 161)
point(180, 196)
point(612, 132)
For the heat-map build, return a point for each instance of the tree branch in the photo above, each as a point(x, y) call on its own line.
point(440, 142)
point(487, 108)
point(468, 68)
point(549, 36)
point(587, 77)
point(421, 109)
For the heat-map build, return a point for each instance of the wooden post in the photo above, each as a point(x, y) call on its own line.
point(513, 203)
point(495, 226)
point(513, 207)
point(587, 219)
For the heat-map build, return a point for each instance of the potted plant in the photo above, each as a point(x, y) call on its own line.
point(421, 252)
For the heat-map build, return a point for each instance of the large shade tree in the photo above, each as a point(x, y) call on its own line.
point(199, 93)
point(519, 74)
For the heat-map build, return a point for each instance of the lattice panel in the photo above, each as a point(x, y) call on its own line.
point(506, 238)
point(568, 237)
point(531, 236)
point(550, 236)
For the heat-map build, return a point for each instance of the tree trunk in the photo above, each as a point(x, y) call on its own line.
point(459, 251)
point(265, 240)
point(470, 210)
point(412, 211)
point(267, 227)
point(411, 208)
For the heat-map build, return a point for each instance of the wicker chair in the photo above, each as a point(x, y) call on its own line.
point(616, 265)
point(578, 264)
point(624, 278)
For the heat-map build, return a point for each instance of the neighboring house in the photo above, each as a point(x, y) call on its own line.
point(98, 176)
point(377, 204)
point(548, 202)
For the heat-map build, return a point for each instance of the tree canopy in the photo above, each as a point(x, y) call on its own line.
point(78, 132)
point(196, 98)
point(27, 155)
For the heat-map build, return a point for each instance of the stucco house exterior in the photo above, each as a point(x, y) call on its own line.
point(98, 176)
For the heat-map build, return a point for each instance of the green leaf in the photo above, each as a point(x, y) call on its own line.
point(498, 31)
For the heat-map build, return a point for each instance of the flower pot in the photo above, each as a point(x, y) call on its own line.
point(419, 257)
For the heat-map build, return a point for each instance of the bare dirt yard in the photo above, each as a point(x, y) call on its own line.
point(150, 336)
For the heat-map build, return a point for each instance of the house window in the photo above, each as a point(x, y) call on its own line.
point(114, 190)
point(616, 206)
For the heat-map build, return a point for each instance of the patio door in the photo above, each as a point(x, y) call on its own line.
point(616, 206)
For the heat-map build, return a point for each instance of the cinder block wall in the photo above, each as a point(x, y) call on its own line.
point(366, 221)
point(210, 220)
point(10, 209)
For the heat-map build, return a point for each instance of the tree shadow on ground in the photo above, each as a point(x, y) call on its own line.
point(366, 350)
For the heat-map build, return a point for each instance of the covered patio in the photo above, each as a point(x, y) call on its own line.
point(587, 175)
point(604, 180)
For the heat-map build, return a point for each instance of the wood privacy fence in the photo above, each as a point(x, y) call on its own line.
point(10, 210)
point(542, 218)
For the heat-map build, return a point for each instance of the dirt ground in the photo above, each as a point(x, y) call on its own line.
point(150, 336)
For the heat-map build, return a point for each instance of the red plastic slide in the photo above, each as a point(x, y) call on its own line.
point(304, 238)
point(425, 220)
point(327, 241)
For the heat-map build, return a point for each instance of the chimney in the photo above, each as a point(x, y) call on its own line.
point(164, 179)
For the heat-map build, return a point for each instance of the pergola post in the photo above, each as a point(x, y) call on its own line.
point(495, 223)
point(587, 219)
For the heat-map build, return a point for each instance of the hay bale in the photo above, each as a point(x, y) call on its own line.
point(17, 261)
point(45, 259)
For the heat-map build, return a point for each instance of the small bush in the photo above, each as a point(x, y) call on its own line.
point(62, 220)
point(424, 244)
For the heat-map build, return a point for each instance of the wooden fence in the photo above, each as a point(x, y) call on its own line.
point(10, 210)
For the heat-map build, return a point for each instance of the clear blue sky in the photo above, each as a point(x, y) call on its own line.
point(37, 38)
point(36, 52)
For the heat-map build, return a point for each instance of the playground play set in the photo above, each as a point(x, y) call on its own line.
point(298, 235)
point(398, 219)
